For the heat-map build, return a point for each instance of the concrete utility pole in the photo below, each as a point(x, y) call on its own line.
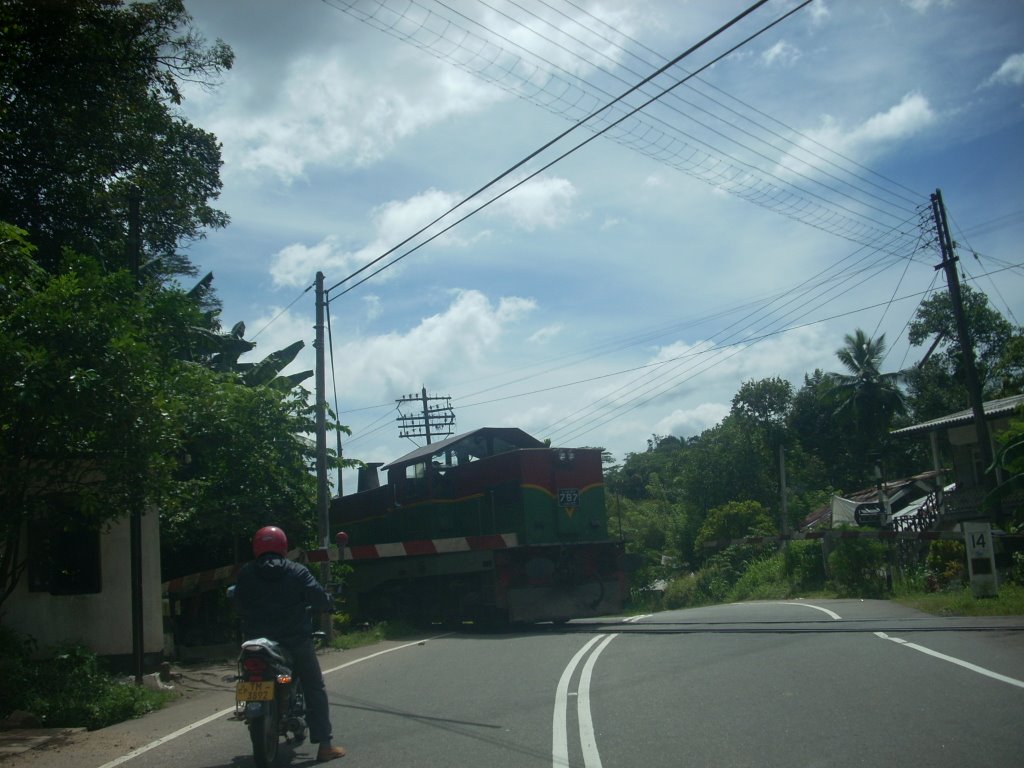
point(949, 259)
point(137, 500)
point(323, 491)
point(434, 420)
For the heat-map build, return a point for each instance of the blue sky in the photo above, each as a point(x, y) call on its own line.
point(735, 228)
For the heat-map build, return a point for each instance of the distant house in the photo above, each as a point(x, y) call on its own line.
point(76, 587)
point(936, 498)
point(957, 432)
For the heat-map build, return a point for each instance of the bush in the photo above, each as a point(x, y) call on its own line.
point(681, 593)
point(946, 564)
point(15, 669)
point(857, 567)
point(764, 579)
point(805, 567)
point(69, 689)
point(1016, 574)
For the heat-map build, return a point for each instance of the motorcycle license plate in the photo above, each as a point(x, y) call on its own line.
point(254, 691)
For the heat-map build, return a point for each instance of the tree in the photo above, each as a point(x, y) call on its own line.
point(813, 425)
point(83, 396)
point(735, 520)
point(766, 404)
point(936, 386)
point(248, 466)
point(88, 89)
point(865, 399)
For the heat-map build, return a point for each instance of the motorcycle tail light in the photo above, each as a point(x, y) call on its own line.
point(284, 679)
point(254, 664)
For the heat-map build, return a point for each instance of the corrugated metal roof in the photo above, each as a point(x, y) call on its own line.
point(993, 409)
point(512, 435)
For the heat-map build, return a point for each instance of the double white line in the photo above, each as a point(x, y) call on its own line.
point(559, 722)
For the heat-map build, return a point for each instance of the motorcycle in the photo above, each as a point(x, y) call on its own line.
point(269, 698)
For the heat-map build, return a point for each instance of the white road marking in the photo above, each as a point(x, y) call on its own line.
point(210, 718)
point(588, 740)
point(559, 722)
point(559, 731)
point(953, 660)
point(833, 614)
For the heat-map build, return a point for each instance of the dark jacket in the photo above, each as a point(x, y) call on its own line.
point(271, 596)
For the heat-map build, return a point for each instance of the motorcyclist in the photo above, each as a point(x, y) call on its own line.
point(271, 595)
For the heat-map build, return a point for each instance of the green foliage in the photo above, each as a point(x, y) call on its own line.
point(349, 637)
point(69, 689)
point(856, 567)
point(84, 400)
point(735, 520)
point(962, 602)
point(804, 565)
point(248, 467)
point(682, 592)
point(89, 90)
point(938, 387)
point(865, 400)
point(947, 565)
point(763, 579)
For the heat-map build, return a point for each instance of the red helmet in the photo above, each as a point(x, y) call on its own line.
point(269, 539)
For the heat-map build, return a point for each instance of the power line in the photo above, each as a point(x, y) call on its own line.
point(570, 151)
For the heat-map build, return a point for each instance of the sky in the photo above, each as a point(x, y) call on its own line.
point(595, 221)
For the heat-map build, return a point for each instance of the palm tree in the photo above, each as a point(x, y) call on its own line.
point(864, 398)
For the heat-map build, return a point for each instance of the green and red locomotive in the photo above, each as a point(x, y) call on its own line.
point(490, 526)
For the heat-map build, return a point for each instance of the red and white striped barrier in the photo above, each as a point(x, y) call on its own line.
point(216, 576)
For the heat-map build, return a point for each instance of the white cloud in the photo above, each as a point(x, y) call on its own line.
point(689, 422)
point(454, 339)
point(870, 138)
point(1010, 72)
point(546, 333)
point(541, 203)
point(819, 12)
point(373, 307)
point(782, 53)
point(326, 111)
point(296, 264)
point(922, 6)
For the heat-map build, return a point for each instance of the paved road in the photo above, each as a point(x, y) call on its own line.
point(800, 683)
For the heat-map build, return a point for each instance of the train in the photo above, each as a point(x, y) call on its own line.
point(492, 526)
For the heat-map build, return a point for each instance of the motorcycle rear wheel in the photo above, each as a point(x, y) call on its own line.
point(264, 732)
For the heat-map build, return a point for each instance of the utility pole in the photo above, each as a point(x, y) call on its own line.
point(949, 259)
point(136, 497)
point(434, 419)
point(322, 487)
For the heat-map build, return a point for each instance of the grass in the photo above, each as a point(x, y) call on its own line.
point(359, 637)
point(961, 602)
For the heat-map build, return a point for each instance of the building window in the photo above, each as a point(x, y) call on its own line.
point(63, 550)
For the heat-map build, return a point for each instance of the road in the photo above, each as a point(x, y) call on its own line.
point(796, 683)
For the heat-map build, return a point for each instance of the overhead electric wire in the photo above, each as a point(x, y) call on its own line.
point(678, 98)
point(570, 151)
point(802, 298)
point(916, 196)
point(272, 320)
point(746, 340)
point(744, 184)
point(558, 138)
